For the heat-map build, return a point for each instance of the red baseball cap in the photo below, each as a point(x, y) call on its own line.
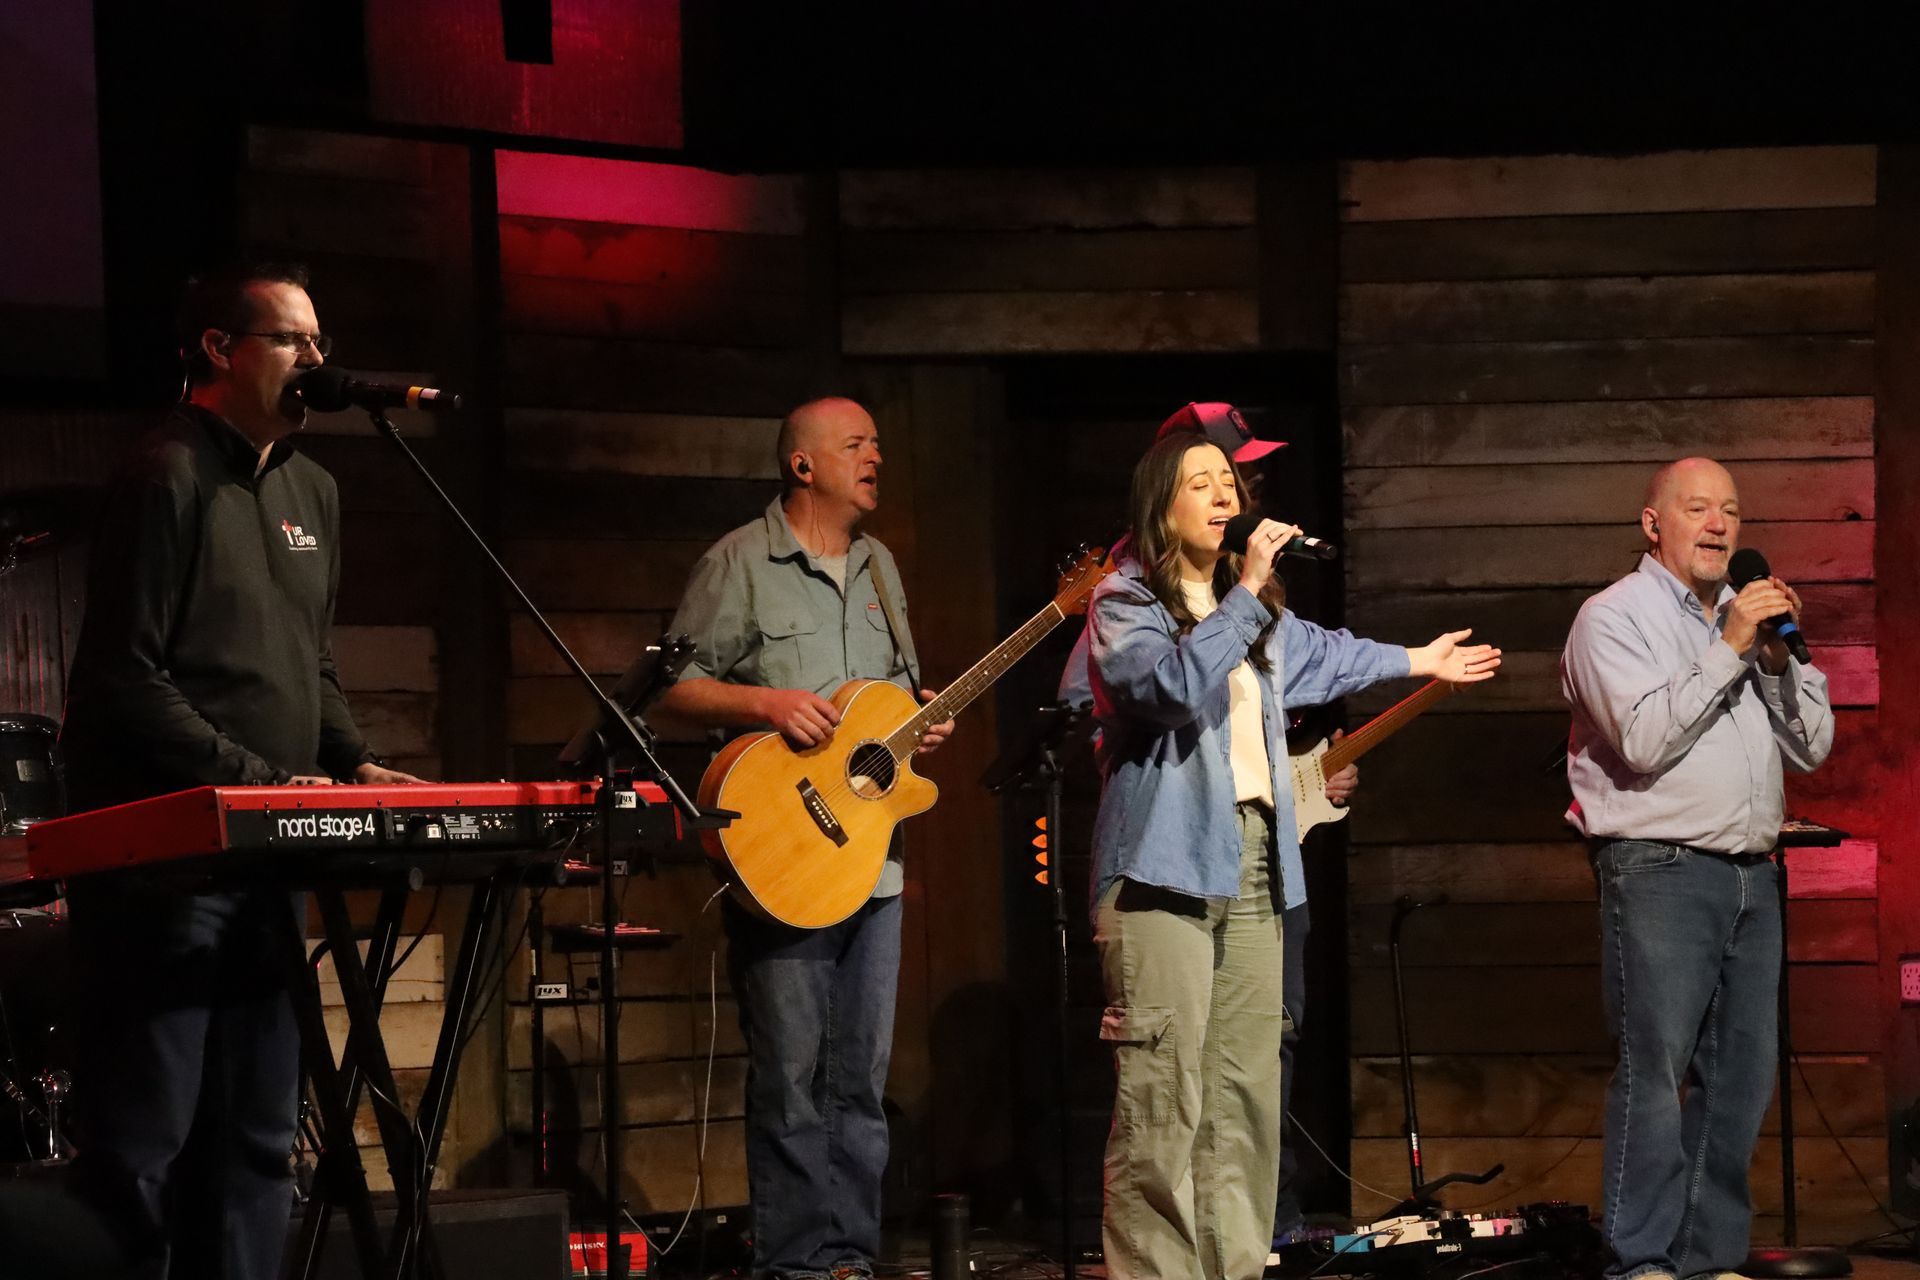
point(1222, 425)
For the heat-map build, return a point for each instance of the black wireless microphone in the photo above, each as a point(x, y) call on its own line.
point(1748, 565)
point(1241, 527)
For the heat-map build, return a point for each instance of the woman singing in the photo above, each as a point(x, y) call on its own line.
point(1195, 664)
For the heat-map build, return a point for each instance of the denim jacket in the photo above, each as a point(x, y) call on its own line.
point(1166, 813)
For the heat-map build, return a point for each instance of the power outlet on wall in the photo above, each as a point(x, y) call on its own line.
point(1910, 979)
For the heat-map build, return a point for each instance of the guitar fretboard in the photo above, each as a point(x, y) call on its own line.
point(1383, 726)
point(976, 681)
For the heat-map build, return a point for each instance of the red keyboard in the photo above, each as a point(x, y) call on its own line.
point(431, 816)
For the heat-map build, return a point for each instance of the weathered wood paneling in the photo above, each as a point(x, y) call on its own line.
point(1589, 493)
point(359, 156)
point(666, 257)
point(615, 373)
point(1052, 323)
point(603, 574)
point(301, 213)
point(604, 642)
point(1048, 261)
point(689, 313)
point(1021, 200)
point(1623, 369)
point(1643, 431)
point(1735, 240)
point(386, 659)
point(1670, 181)
point(1607, 307)
point(643, 444)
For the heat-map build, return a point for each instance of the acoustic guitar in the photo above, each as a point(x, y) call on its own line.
point(815, 824)
point(1313, 765)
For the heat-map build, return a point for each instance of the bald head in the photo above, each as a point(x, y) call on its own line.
point(811, 429)
point(1683, 474)
point(1691, 517)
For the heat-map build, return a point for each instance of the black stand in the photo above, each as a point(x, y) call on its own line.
point(624, 734)
point(1420, 1196)
point(1793, 1260)
point(1035, 764)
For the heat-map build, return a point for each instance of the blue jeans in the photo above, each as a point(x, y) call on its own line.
point(1690, 969)
point(816, 1008)
point(189, 1059)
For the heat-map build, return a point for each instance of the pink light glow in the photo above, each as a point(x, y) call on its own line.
point(537, 185)
point(615, 75)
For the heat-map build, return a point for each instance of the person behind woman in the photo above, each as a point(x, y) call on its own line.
point(1195, 662)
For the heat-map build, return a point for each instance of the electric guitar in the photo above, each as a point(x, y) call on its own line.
point(814, 826)
point(1313, 765)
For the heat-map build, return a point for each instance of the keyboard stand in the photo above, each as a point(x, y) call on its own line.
point(411, 1143)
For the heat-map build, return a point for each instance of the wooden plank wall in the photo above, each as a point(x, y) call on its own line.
point(1522, 342)
point(655, 327)
point(946, 263)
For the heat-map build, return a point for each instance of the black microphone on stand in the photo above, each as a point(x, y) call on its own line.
point(329, 390)
point(1748, 565)
point(1241, 527)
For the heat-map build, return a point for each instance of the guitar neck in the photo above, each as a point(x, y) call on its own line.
point(976, 681)
point(1383, 726)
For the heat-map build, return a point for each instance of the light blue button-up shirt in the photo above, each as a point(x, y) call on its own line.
point(1676, 737)
point(1166, 813)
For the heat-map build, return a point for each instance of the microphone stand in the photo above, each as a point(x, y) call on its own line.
point(632, 735)
point(1036, 763)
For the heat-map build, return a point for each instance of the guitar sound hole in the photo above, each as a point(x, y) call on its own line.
point(870, 770)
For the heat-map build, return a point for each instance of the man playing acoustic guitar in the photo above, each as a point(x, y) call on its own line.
point(782, 612)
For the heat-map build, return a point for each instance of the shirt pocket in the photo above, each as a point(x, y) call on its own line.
point(790, 649)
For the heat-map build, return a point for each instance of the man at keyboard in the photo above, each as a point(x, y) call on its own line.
point(204, 660)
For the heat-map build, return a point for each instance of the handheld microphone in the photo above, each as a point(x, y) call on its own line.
point(1748, 565)
point(1241, 528)
point(329, 390)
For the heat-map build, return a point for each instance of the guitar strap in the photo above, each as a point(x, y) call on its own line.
point(894, 629)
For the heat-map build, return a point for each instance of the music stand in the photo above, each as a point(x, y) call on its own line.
point(1793, 1260)
point(1032, 764)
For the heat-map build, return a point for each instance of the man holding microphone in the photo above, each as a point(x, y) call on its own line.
point(1686, 704)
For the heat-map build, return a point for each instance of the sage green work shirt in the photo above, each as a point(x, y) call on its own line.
point(760, 611)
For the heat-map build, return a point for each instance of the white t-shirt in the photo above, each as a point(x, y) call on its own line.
point(1246, 723)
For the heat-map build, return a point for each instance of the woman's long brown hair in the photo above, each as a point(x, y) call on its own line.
point(1156, 477)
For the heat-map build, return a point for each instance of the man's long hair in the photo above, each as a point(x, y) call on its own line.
point(1153, 543)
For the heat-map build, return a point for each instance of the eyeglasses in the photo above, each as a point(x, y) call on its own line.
point(293, 340)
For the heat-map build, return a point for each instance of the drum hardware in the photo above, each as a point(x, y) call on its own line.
point(54, 1087)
